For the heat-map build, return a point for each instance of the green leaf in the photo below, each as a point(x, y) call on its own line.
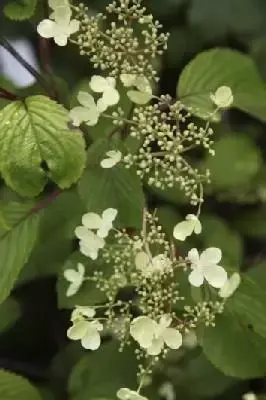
point(14, 387)
point(94, 377)
point(16, 244)
point(252, 223)
point(56, 233)
point(234, 348)
point(209, 70)
point(88, 294)
point(10, 311)
point(19, 10)
point(243, 161)
point(34, 137)
point(116, 187)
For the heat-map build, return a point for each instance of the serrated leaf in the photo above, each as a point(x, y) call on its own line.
point(16, 245)
point(209, 70)
point(243, 161)
point(10, 311)
point(93, 377)
point(35, 132)
point(116, 187)
point(19, 10)
point(14, 387)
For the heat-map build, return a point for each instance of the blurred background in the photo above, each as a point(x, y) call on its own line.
point(33, 342)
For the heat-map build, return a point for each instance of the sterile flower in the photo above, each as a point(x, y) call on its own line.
point(103, 224)
point(144, 93)
point(61, 28)
point(152, 336)
point(76, 278)
point(230, 286)
point(223, 97)
point(61, 9)
point(149, 265)
point(89, 243)
point(88, 113)
point(87, 332)
point(185, 228)
point(106, 86)
point(80, 312)
point(113, 158)
point(205, 266)
point(127, 394)
point(249, 396)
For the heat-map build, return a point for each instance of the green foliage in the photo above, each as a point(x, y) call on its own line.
point(95, 377)
point(209, 70)
point(20, 10)
point(115, 187)
point(10, 311)
point(236, 162)
point(16, 243)
point(14, 387)
point(33, 132)
point(256, 229)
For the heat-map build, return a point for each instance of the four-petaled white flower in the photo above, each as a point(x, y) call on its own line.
point(88, 113)
point(103, 224)
point(223, 97)
point(106, 86)
point(230, 286)
point(61, 28)
point(149, 265)
point(89, 243)
point(127, 394)
point(113, 158)
point(153, 336)
point(205, 266)
point(61, 9)
point(87, 332)
point(76, 278)
point(185, 228)
point(144, 93)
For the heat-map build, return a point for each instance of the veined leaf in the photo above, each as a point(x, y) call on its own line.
point(34, 137)
point(15, 387)
point(10, 311)
point(19, 10)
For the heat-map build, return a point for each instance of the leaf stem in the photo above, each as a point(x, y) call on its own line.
point(5, 94)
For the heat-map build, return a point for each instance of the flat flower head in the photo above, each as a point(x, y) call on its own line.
point(76, 278)
point(88, 111)
point(185, 228)
point(127, 394)
point(223, 97)
point(113, 158)
point(204, 267)
point(106, 86)
point(230, 286)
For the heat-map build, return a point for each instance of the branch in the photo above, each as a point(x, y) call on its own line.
point(5, 94)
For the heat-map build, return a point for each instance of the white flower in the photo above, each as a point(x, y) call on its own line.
point(127, 394)
point(61, 28)
point(76, 278)
point(144, 93)
point(80, 312)
point(152, 336)
point(223, 97)
point(103, 224)
point(149, 266)
point(166, 390)
point(205, 267)
point(113, 158)
point(190, 340)
point(106, 86)
point(88, 113)
point(230, 286)
point(61, 9)
point(87, 332)
point(187, 227)
point(89, 243)
point(249, 396)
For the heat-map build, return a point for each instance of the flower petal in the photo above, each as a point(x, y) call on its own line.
point(98, 84)
point(71, 275)
point(183, 229)
point(156, 347)
point(142, 329)
point(139, 97)
point(230, 286)
point(210, 256)
point(109, 215)
point(78, 115)
point(46, 28)
point(215, 275)
point(72, 289)
point(196, 278)
point(172, 338)
point(61, 40)
point(92, 220)
point(193, 256)
point(110, 97)
point(73, 26)
point(78, 330)
point(142, 260)
point(92, 340)
point(86, 99)
point(128, 79)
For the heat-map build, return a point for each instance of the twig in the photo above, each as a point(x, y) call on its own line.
point(5, 94)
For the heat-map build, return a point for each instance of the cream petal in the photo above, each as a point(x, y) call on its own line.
point(197, 227)
point(196, 278)
point(46, 28)
point(73, 26)
point(109, 215)
point(123, 394)
point(72, 289)
point(142, 330)
point(215, 275)
point(92, 220)
point(128, 79)
point(108, 163)
point(138, 97)
point(78, 115)
point(86, 99)
point(103, 231)
point(98, 84)
point(143, 84)
point(183, 230)
point(230, 286)
point(71, 275)
point(172, 338)
point(165, 321)
point(142, 260)
point(81, 269)
point(82, 233)
point(92, 340)
point(61, 40)
point(156, 347)
point(210, 256)
point(193, 256)
point(110, 97)
point(78, 330)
